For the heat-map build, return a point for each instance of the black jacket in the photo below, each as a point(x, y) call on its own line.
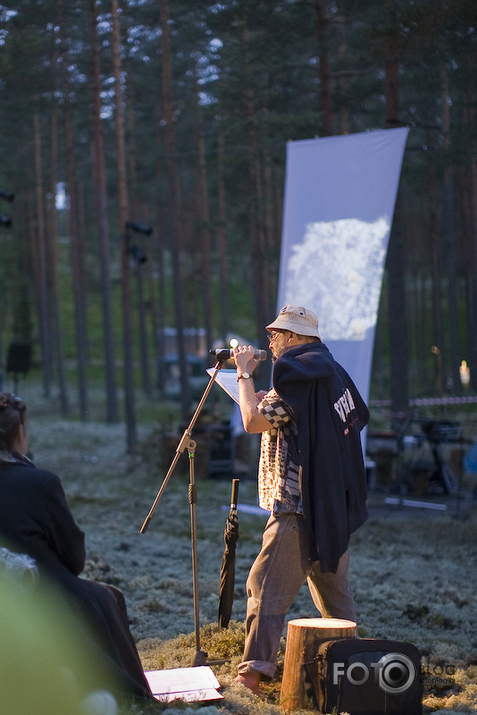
point(35, 519)
point(329, 414)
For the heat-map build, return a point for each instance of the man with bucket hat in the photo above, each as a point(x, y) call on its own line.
point(311, 478)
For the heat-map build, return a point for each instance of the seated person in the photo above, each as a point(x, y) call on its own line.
point(35, 519)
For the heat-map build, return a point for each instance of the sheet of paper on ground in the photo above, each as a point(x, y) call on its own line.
point(189, 684)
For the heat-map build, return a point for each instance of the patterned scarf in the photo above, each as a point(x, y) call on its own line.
point(7, 457)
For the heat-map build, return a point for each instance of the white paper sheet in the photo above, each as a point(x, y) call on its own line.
point(227, 379)
point(189, 684)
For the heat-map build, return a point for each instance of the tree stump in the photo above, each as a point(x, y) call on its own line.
point(304, 636)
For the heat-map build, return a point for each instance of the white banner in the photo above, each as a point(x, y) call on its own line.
point(339, 202)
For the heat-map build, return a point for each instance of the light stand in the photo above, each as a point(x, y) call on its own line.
point(186, 442)
point(140, 258)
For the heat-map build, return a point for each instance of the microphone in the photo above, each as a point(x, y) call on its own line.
point(226, 354)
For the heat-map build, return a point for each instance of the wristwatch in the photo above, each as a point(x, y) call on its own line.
point(243, 375)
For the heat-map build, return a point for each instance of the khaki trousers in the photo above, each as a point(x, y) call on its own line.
point(276, 576)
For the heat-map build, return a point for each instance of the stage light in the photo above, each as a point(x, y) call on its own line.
point(8, 195)
point(138, 255)
point(139, 227)
point(464, 373)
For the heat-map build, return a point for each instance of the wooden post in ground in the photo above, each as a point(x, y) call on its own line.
point(304, 636)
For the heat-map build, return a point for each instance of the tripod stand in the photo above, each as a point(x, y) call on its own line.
point(187, 443)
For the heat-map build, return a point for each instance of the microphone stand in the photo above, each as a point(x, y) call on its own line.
point(186, 442)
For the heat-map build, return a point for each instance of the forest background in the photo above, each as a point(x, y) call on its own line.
point(158, 130)
point(142, 162)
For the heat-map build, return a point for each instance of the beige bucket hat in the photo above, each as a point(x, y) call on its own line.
point(296, 319)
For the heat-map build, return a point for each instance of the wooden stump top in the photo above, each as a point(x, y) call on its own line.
point(304, 636)
point(324, 624)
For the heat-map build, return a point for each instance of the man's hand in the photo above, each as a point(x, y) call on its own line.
point(243, 358)
point(253, 421)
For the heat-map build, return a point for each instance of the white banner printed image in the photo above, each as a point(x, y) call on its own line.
point(340, 193)
point(345, 256)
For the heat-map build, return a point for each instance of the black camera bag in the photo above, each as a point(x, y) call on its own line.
point(365, 676)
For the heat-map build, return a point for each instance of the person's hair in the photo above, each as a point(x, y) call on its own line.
point(308, 338)
point(12, 415)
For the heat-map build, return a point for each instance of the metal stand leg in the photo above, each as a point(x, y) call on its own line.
point(200, 657)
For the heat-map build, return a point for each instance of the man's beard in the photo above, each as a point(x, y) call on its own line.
point(280, 353)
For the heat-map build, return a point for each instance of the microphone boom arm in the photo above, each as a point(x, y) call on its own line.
point(184, 443)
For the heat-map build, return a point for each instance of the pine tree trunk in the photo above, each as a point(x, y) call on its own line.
point(140, 268)
point(423, 335)
point(470, 192)
point(271, 238)
point(53, 260)
point(204, 227)
point(221, 240)
point(395, 258)
point(131, 150)
point(448, 208)
point(159, 324)
point(40, 252)
point(344, 114)
point(76, 250)
point(326, 103)
point(435, 250)
point(99, 164)
point(123, 217)
point(173, 188)
point(256, 225)
point(468, 202)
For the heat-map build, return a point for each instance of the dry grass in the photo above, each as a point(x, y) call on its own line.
point(413, 571)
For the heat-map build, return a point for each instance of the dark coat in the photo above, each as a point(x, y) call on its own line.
point(35, 519)
point(329, 414)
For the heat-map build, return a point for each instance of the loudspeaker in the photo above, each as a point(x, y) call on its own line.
point(19, 357)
